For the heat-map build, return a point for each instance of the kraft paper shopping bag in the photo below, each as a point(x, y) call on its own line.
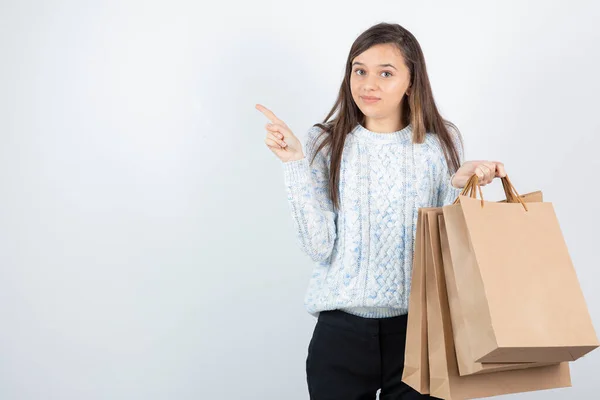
point(445, 381)
point(416, 361)
point(466, 365)
point(517, 284)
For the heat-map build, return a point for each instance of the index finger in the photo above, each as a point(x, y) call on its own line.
point(268, 113)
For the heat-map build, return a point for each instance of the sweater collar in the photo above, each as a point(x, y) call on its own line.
point(362, 132)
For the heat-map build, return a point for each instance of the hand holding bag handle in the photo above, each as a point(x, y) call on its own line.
point(472, 185)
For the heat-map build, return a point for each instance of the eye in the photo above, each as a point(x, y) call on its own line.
point(384, 72)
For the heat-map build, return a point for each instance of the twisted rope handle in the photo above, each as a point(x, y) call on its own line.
point(472, 186)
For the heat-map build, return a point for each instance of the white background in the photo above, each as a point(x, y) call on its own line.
point(146, 249)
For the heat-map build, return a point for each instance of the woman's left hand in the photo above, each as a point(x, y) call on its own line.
point(486, 172)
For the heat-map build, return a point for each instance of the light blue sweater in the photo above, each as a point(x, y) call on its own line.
point(363, 253)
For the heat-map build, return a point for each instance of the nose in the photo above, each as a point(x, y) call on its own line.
point(370, 82)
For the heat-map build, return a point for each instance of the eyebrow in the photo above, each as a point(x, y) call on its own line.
point(380, 65)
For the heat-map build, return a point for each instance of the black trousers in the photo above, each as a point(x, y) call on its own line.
point(351, 358)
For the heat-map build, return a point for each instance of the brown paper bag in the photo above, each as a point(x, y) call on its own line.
point(416, 361)
point(445, 381)
point(466, 365)
point(517, 285)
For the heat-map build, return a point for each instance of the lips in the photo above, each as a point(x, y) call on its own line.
point(369, 99)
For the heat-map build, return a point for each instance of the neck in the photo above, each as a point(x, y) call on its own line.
point(386, 124)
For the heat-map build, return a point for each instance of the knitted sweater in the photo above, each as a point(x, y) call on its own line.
point(363, 253)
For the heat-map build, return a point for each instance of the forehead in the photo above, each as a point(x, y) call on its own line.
point(381, 54)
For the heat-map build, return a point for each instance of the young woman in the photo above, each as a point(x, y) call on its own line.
point(354, 198)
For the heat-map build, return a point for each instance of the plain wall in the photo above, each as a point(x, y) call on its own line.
point(146, 247)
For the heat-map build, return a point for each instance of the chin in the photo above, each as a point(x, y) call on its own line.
point(370, 113)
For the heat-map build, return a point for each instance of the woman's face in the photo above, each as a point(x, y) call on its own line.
point(379, 72)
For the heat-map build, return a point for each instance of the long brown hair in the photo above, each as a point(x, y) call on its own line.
point(420, 109)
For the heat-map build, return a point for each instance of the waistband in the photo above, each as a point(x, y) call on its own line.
point(359, 324)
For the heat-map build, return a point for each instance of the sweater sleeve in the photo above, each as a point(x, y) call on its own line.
point(448, 193)
point(308, 197)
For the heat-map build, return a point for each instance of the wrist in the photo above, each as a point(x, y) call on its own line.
point(297, 158)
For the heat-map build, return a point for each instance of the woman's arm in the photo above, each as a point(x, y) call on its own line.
point(308, 197)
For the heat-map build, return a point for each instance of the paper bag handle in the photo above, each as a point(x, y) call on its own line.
point(472, 185)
